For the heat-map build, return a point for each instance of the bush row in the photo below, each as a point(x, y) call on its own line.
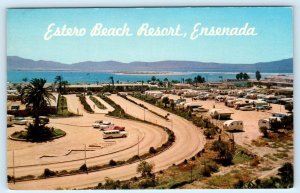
point(97, 103)
point(86, 106)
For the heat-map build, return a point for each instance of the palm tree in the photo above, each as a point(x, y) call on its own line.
point(38, 95)
point(64, 83)
point(112, 80)
point(58, 79)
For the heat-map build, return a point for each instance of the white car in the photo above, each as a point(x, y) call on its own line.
point(20, 121)
point(247, 108)
point(96, 124)
point(200, 109)
point(105, 125)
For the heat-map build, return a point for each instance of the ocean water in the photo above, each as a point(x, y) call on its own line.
point(15, 76)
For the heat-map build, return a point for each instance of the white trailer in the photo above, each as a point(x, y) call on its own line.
point(233, 125)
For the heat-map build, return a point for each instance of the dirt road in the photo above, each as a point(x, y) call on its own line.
point(189, 140)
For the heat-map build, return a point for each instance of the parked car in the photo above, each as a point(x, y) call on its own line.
point(97, 123)
point(115, 127)
point(105, 125)
point(20, 121)
point(200, 109)
point(247, 108)
point(114, 134)
point(107, 94)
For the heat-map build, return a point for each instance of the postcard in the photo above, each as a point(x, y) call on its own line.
point(150, 98)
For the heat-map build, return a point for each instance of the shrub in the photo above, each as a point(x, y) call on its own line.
point(210, 133)
point(225, 155)
point(254, 162)
point(125, 185)
point(185, 161)
point(145, 169)
point(9, 178)
point(149, 182)
point(152, 150)
point(83, 168)
point(264, 131)
point(112, 162)
point(134, 179)
point(206, 171)
point(111, 184)
point(97, 103)
point(48, 173)
point(133, 158)
point(86, 106)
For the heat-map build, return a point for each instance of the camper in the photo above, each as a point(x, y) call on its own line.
point(114, 134)
point(264, 123)
point(10, 120)
point(155, 94)
point(220, 113)
point(191, 105)
point(233, 125)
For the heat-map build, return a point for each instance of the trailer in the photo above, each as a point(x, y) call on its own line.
point(233, 125)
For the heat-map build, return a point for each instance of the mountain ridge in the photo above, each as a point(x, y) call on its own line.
point(279, 66)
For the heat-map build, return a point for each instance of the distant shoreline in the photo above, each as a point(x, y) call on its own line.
point(146, 73)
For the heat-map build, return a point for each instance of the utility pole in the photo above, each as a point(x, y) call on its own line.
point(85, 154)
point(14, 167)
point(138, 145)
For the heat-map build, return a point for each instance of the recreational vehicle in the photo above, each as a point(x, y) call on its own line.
point(233, 125)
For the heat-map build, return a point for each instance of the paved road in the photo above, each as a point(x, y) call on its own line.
point(189, 140)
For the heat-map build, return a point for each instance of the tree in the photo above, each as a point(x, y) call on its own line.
point(241, 75)
point(222, 147)
point(238, 77)
point(189, 81)
point(58, 79)
point(25, 79)
point(112, 80)
point(286, 173)
point(245, 76)
point(145, 169)
point(257, 75)
point(199, 79)
point(166, 79)
point(165, 101)
point(38, 95)
point(64, 84)
point(153, 78)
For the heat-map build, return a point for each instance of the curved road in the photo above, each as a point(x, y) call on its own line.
point(189, 140)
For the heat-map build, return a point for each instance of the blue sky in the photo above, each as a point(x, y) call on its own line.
point(274, 25)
